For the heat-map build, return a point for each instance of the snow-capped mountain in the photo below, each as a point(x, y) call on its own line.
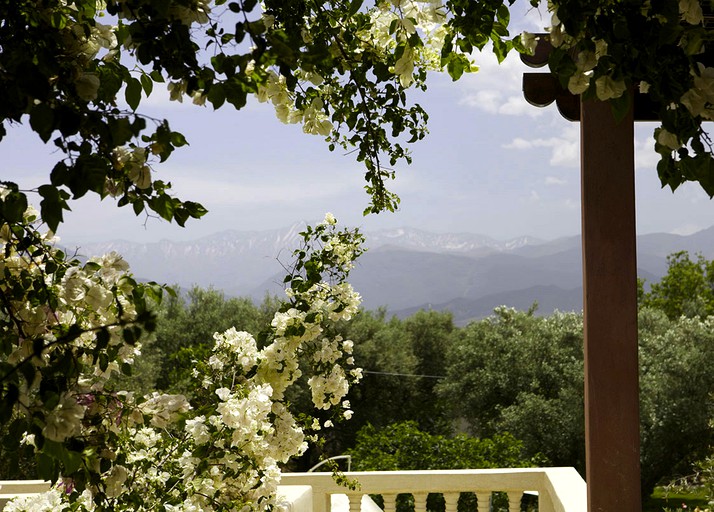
point(403, 270)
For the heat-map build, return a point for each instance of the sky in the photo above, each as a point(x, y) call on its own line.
point(492, 165)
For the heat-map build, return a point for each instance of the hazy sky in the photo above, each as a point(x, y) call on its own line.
point(492, 164)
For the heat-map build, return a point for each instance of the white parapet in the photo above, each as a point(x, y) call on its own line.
point(10, 489)
point(558, 489)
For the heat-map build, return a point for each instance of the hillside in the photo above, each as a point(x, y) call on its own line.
point(404, 269)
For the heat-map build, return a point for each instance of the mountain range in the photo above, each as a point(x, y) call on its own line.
point(404, 269)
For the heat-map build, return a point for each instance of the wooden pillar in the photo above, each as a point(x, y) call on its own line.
point(610, 310)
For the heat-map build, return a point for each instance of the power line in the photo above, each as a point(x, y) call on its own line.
point(405, 375)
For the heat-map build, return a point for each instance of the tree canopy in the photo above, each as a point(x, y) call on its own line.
point(77, 71)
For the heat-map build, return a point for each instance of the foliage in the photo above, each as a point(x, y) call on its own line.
point(404, 359)
point(342, 69)
point(605, 50)
point(676, 403)
point(700, 483)
point(223, 450)
point(82, 68)
point(522, 374)
point(186, 324)
point(67, 327)
point(686, 290)
point(402, 446)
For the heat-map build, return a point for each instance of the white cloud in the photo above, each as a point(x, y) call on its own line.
point(645, 155)
point(519, 143)
point(496, 88)
point(570, 204)
point(552, 180)
point(565, 149)
point(687, 229)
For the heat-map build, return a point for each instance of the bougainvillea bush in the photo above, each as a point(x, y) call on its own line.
point(223, 451)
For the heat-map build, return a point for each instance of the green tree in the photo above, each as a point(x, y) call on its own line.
point(686, 290)
point(185, 329)
point(430, 334)
point(403, 446)
point(400, 359)
point(521, 373)
point(676, 401)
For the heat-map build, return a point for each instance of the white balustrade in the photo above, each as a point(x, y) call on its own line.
point(10, 489)
point(558, 489)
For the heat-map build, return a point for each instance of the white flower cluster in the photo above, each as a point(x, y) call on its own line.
point(50, 501)
point(313, 117)
point(90, 297)
point(223, 454)
point(395, 21)
point(699, 100)
point(188, 13)
point(131, 164)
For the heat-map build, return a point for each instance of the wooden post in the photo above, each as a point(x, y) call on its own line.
point(610, 310)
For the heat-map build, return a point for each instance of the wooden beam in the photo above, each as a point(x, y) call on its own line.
point(610, 310)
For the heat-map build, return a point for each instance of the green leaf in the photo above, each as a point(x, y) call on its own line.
point(163, 205)
point(500, 48)
point(54, 202)
point(133, 93)
point(42, 120)
point(457, 65)
point(354, 7)
point(13, 206)
point(217, 96)
point(47, 467)
point(620, 106)
point(147, 83)
point(503, 15)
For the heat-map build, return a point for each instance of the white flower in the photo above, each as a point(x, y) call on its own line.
point(49, 501)
point(114, 482)
point(65, 420)
point(691, 11)
point(223, 393)
point(198, 430)
point(667, 139)
point(529, 41)
point(87, 86)
point(176, 91)
point(140, 176)
point(579, 82)
point(606, 88)
point(164, 409)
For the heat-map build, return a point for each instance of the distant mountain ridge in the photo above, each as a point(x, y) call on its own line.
point(404, 269)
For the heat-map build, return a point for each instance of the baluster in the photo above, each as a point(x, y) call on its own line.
point(390, 502)
point(355, 502)
point(420, 502)
point(452, 501)
point(483, 499)
point(514, 501)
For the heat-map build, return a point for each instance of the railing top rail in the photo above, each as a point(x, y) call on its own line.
point(502, 479)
